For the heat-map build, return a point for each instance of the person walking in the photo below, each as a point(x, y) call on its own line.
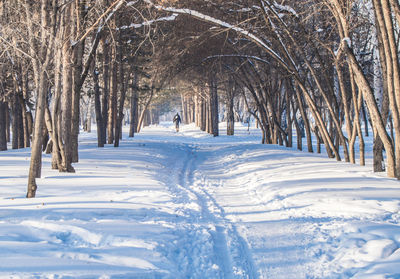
point(177, 120)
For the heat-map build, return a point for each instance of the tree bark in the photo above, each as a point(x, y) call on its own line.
point(214, 106)
point(14, 124)
point(8, 121)
point(3, 137)
point(145, 110)
point(230, 118)
point(112, 102)
point(97, 107)
point(26, 120)
point(134, 108)
point(67, 93)
point(106, 87)
point(121, 101)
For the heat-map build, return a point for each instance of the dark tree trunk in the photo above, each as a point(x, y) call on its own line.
point(8, 121)
point(14, 123)
point(230, 117)
point(317, 136)
point(214, 106)
point(378, 162)
point(3, 136)
point(203, 113)
point(299, 137)
point(106, 87)
point(208, 117)
point(134, 112)
point(184, 109)
point(26, 116)
point(289, 130)
point(21, 113)
point(97, 108)
point(365, 119)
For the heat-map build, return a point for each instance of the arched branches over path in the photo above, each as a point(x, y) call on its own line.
point(307, 40)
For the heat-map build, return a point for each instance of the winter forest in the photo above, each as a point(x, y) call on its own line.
point(317, 76)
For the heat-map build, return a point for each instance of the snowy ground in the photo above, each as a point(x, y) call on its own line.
point(187, 205)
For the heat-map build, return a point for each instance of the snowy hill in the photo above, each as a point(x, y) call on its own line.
point(188, 205)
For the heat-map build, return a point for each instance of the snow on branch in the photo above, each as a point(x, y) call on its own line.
point(148, 22)
point(221, 23)
point(347, 40)
point(286, 8)
point(131, 3)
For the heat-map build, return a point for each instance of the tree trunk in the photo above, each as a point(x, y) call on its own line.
point(14, 125)
point(58, 148)
point(25, 114)
point(230, 118)
point(77, 54)
point(3, 137)
point(21, 140)
point(368, 95)
point(112, 102)
point(8, 121)
point(121, 101)
point(203, 113)
point(67, 94)
point(289, 130)
point(365, 119)
point(184, 108)
point(318, 137)
point(134, 108)
point(208, 116)
point(145, 110)
point(36, 150)
point(106, 87)
point(97, 107)
point(381, 78)
point(88, 125)
point(214, 106)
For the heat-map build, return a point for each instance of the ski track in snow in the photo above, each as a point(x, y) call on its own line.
point(187, 205)
point(206, 225)
point(221, 230)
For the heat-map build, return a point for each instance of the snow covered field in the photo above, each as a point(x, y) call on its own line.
point(187, 205)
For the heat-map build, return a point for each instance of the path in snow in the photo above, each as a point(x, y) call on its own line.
point(206, 238)
point(224, 236)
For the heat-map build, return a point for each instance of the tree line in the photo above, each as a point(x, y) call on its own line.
point(327, 69)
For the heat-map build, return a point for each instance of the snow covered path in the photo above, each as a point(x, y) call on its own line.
point(187, 205)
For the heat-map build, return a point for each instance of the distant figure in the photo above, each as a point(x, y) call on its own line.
point(177, 120)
